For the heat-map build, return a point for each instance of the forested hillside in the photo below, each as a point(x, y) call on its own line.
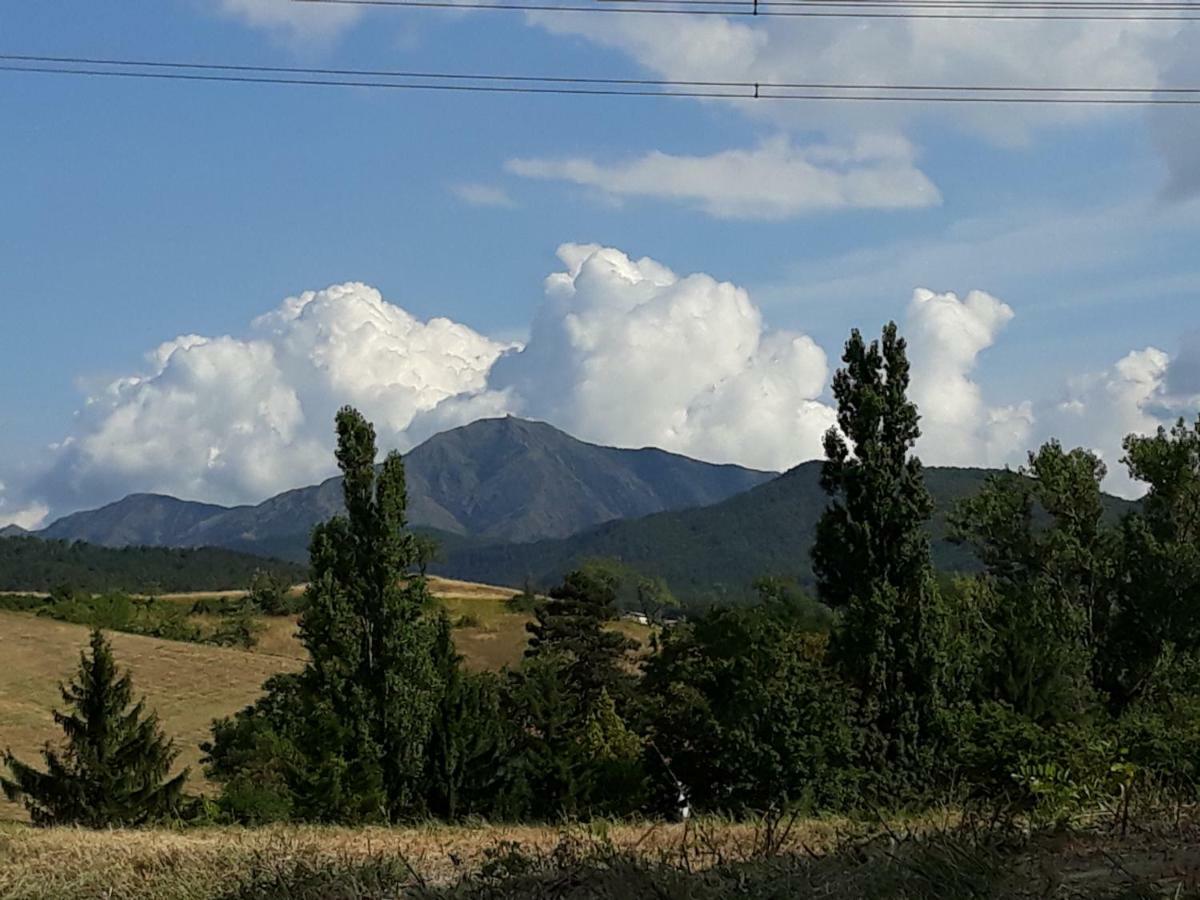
point(715, 552)
point(33, 564)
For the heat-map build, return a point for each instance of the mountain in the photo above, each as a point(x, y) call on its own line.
point(505, 479)
point(150, 520)
point(13, 531)
point(715, 552)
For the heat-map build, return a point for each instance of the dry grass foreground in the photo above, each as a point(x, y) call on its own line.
point(827, 858)
point(200, 863)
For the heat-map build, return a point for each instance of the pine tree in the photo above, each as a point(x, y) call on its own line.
point(569, 627)
point(872, 556)
point(464, 754)
point(113, 770)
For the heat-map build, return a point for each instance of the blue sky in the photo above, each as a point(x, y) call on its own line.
point(132, 212)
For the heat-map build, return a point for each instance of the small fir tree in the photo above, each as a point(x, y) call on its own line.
point(114, 767)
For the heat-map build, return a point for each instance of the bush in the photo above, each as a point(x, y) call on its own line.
point(743, 710)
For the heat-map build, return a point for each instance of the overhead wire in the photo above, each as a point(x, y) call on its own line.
point(178, 70)
point(828, 9)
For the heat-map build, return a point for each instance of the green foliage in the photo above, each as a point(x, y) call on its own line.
point(147, 616)
point(872, 557)
point(746, 713)
point(1050, 577)
point(427, 550)
point(465, 752)
point(1159, 599)
point(346, 740)
point(567, 755)
point(272, 594)
point(524, 602)
point(33, 564)
point(569, 626)
point(115, 765)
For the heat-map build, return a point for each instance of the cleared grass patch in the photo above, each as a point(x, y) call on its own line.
point(188, 685)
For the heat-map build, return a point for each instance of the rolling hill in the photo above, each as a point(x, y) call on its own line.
point(715, 552)
point(503, 479)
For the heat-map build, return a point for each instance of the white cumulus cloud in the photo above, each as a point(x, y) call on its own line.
point(236, 419)
point(775, 180)
point(621, 351)
point(627, 352)
point(1099, 409)
point(946, 335)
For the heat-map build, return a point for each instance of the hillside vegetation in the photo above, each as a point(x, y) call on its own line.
point(190, 684)
point(715, 552)
point(32, 564)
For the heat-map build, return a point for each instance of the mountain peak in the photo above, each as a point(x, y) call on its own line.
point(504, 478)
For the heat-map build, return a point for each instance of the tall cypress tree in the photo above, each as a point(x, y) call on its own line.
point(114, 768)
point(371, 667)
point(871, 555)
point(348, 735)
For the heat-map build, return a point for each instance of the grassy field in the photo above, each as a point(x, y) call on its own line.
point(833, 859)
point(189, 685)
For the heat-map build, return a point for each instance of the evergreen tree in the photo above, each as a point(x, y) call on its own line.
point(466, 746)
point(351, 738)
point(114, 768)
point(742, 705)
point(872, 557)
point(569, 627)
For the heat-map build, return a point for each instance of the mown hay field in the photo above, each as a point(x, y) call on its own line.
point(189, 685)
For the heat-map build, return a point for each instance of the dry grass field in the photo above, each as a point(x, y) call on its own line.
point(834, 859)
point(189, 685)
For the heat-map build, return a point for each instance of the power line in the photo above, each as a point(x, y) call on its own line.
point(835, 10)
point(583, 85)
point(586, 80)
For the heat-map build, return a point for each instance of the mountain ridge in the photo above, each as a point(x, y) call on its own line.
point(504, 479)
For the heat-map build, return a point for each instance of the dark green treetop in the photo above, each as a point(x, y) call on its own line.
point(871, 555)
point(569, 627)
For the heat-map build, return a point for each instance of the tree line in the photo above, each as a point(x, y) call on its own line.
point(1068, 669)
